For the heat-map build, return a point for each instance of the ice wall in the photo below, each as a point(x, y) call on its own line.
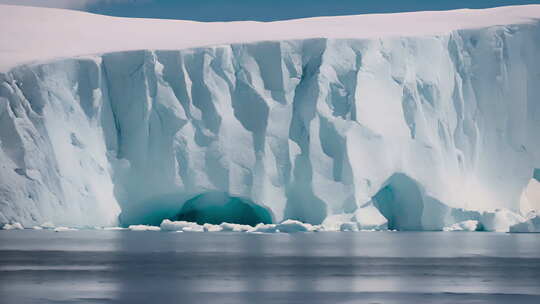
point(308, 128)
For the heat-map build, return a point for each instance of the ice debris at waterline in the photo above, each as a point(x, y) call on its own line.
point(288, 226)
point(419, 126)
point(64, 229)
point(530, 225)
point(14, 226)
point(143, 228)
point(469, 225)
point(500, 221)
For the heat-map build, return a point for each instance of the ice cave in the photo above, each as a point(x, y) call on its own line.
point(220, 207)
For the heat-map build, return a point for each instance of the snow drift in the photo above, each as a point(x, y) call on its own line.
point(430, 126)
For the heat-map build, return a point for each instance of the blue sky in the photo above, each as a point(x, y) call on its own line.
point(262, 10)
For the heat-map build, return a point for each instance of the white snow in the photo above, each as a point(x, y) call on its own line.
point(365, 218)
point(369, 218)
point(31, 33)
point(292, 226)
point(264, 228)
point(287, 226)
point(463, 226)
point(114, 228)
point(235, 227)
point(500, 220)
point(14, 226)
point(211, 228)
point(430, 117)
point(143, 228)
point(333, 222)
point(64, 229)
point(48, 225)
point(168, 225)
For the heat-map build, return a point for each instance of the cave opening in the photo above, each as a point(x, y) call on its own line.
point(218, 207)
point(401, 202)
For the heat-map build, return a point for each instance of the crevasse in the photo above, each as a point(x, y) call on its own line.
point(306, 128)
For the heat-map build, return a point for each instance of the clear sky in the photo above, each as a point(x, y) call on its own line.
point(262, 10)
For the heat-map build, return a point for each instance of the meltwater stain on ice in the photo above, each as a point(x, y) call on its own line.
point(218, 207)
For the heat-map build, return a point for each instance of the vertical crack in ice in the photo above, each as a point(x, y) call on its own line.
point(302, 203)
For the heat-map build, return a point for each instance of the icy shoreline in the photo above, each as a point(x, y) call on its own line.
point(530, 225)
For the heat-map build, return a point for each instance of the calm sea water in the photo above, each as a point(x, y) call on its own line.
point(365, 267)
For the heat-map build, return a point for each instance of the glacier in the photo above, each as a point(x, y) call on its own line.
point(424, 130)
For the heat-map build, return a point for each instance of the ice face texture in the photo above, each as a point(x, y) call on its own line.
point(423, 127)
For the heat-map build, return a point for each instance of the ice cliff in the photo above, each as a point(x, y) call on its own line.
point(432, 130)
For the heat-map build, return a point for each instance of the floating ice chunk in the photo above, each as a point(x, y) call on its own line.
point(531, 225)
point(500, 220)
point(193, 228)
point(349, 226)
point(114, 228)
point(168, 225)
point(463, 226)
point(14, 226)
point(37, 228)
point(212, 228)
point(369, 217)
point(288, 226)
point(235, 227)
point(63, 229)
point(264, 228)
point(291, 226)
point(48, 225)
point(334, 222)
point(143, 228)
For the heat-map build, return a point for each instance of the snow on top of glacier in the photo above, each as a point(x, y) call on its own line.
point(37, 34)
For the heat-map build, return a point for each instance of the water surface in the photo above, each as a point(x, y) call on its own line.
point(365, 267)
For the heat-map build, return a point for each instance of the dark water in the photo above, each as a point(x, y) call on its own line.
point(377, 267)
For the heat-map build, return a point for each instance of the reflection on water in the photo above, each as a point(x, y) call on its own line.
point(381, 267)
